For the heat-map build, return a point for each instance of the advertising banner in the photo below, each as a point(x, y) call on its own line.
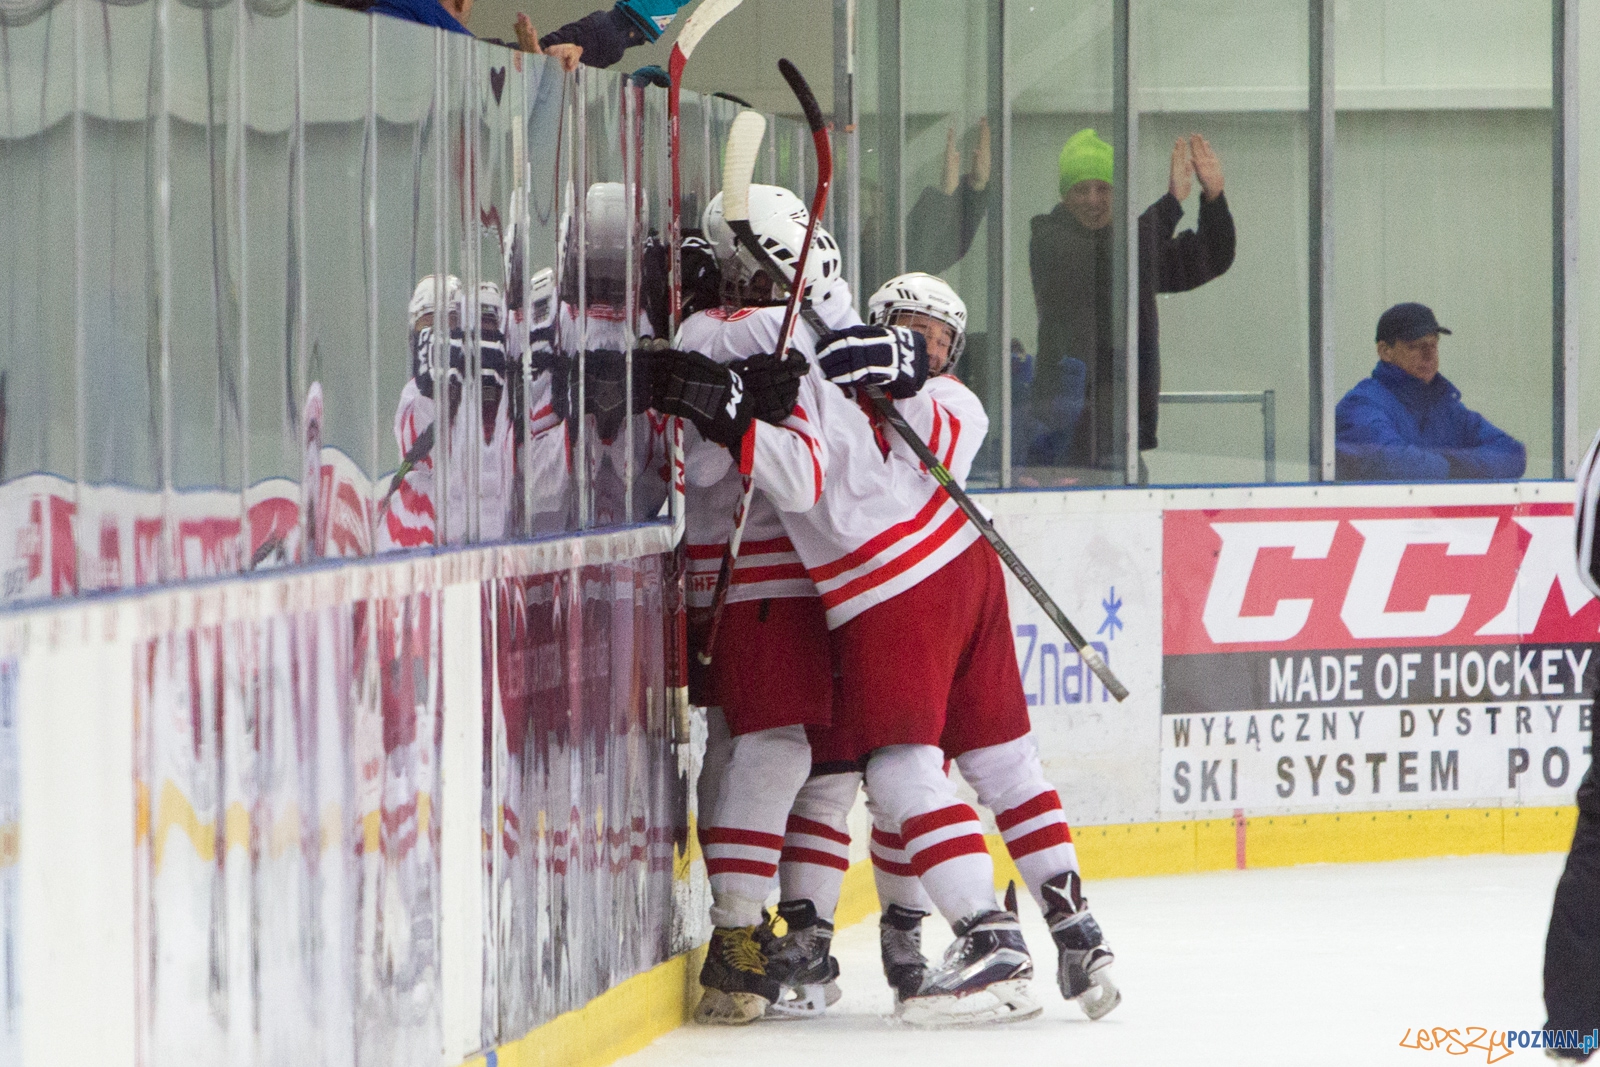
point(1331, 658)
point(1104, 571)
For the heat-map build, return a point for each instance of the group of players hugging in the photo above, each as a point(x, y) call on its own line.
point(866, 640)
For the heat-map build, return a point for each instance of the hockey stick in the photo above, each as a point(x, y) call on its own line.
point(707, 15)
point(736, 203)
point(738, 166)
point(1090, 655)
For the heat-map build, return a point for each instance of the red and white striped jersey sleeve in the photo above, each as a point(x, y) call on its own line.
point(950, 418)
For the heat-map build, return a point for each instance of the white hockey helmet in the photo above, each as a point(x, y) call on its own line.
point(491, 307)
point(605, 246)
point(778, 219)
point(422, 298)
point(927, 295)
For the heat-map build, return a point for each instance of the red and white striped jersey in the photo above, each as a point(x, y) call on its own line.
point(884, 524)
point(789, 465)
point(862, 515)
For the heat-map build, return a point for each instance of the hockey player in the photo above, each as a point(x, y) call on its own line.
point(602, 334)
point(831, 429)
point(757, 753)
point(986, 729)
point(409, 507)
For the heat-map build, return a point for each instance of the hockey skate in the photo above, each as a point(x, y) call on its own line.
point(736, 987)
point(800, 964)
point(900, 938)
point(983, 977)
point(1084, 968)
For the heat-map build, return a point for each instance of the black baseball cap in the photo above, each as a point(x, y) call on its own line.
point(1407, 322)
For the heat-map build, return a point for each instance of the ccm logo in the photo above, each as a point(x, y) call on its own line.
point(1364, 610)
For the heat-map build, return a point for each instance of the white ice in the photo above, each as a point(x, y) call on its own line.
point(1327, 964)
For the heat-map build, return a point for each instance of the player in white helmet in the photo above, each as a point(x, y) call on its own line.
point(929, 306)
point(984, 725)
point(876, 516)
point(592, 319)
point(750, 409)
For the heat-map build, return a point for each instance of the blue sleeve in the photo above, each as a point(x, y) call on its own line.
point(1490, 453)
point(1370, 448)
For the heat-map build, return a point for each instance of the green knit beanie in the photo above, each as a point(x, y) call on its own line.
point(1084, 157)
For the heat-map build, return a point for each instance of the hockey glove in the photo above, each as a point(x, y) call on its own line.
point(707, 393)
point(772, 384)
point(893, 358)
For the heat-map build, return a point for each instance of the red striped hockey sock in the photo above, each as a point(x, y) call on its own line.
point(1039, 839)
point(949, 855)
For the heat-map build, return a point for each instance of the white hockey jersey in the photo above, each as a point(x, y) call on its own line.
point(552, 444)
point(410, 516)
point(861, 514)
point(790, 459)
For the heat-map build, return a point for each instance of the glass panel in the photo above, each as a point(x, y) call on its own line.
point(408, 162)
point(338, 500)
point(496, 108)
point(1067, 351)
point(947, 163)
point(1223, 118)
point(1588, 194)
point(1442, 197)
point(275, 448)
point(205, 386)
point(37, 379)
point(121, 508)
point(546, 478)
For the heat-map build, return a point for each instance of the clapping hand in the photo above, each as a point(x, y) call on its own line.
point(1193, 157)
point(568, 55)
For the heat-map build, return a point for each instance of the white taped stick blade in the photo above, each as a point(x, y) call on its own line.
point(707, 15)
point(739, 163)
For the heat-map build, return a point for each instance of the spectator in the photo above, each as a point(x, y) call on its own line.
point(445, 14)
point(1069, 257)
point(600, 38)
point(940, 226)
point(1407, 422)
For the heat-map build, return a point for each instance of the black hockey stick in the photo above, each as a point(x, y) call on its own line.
point(739, 199)
point(1090, 655)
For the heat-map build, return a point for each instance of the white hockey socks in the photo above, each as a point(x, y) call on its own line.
point(816, 844)
point(1009, 781)
point(743, 836)
point(892, 874)
point(940, 834)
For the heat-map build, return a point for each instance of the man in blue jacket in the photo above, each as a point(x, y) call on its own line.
point(1407, 422)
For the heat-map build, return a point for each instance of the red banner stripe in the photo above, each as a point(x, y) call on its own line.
point(1049, 800)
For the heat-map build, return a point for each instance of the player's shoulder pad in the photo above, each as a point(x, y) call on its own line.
point(951, 391)
point(726, 335)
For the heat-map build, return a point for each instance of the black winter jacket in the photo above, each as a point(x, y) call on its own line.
point(1071, 269)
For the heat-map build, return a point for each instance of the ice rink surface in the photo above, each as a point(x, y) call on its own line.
point(1327, 964)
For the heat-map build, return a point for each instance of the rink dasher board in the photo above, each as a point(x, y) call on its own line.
point(1480, 571)
point(70, 704)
